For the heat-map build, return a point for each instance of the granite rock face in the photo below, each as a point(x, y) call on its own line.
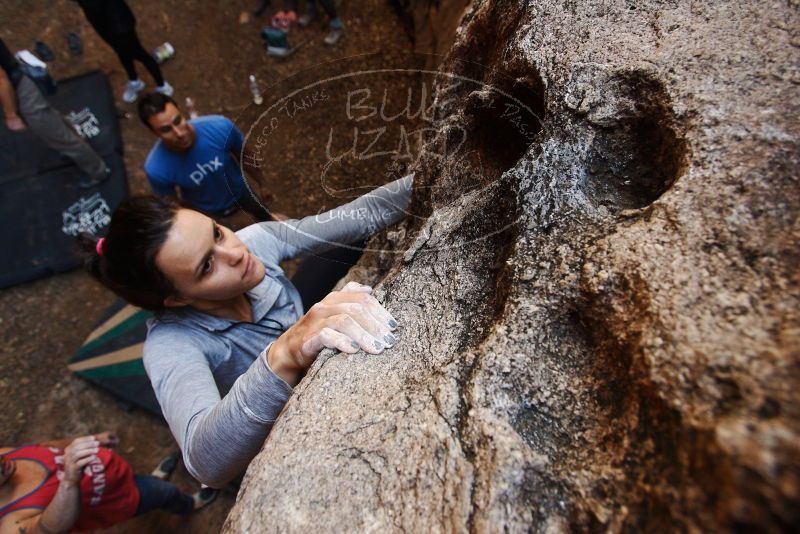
point(599, 313)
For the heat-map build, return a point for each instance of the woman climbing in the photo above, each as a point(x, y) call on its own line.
point(229, 338)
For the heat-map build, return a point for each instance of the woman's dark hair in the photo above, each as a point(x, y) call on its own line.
point(127, 262)
point(153, 104)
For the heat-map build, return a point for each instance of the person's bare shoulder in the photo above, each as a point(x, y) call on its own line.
point(20, 522)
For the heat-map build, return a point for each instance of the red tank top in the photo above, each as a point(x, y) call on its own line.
point(108, 492)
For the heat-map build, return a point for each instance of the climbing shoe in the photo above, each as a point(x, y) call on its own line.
point(204, 497)
point(74, 43)
point(43, 51)
point(166, 466)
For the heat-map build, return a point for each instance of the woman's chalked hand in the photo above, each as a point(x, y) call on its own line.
point(348, 320)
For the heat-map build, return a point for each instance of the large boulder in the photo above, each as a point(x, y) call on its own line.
point(599, 311)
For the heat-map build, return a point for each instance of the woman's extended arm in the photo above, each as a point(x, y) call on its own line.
point(219, 437)
point(349, 223)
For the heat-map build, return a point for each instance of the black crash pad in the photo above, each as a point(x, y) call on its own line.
point(41, 205)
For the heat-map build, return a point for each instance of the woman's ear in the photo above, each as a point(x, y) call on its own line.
point(176, 301)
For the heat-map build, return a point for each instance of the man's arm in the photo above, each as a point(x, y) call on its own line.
point(63, 511)
point(8, 101)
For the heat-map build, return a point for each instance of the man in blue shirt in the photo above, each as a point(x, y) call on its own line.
point(199, 158)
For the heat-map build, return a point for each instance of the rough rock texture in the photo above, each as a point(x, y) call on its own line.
point(599, 331)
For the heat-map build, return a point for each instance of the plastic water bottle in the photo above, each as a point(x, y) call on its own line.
point(164, 52)
point(190, 108)
point(257, 98)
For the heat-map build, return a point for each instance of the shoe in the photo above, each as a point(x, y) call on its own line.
point(261, 7)
point(166, 466)
point(132, 91)
point(74, 43)
point(204, 497)
point(333, 37)
point(305, 20)
point(165, 89)
point(88, 183)
point(43, 51)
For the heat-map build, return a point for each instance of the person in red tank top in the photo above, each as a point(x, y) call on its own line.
point(79, 485)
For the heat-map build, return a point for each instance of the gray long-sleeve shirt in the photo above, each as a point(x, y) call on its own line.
point(218, 396)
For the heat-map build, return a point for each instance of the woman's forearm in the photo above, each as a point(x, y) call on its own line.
point(221, 441)
point(349, 223)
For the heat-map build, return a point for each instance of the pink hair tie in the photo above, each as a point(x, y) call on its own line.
point(99, 246)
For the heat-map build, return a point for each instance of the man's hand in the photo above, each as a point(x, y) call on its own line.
point(78, 455)
point(107, 439)
point(15, 123)
point(348, 320)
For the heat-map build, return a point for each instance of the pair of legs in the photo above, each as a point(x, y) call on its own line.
point(157, 494)
point(58, 133)
point(330, 9)
point(129, 49)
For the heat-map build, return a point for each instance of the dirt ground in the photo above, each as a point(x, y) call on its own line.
point(42, 323)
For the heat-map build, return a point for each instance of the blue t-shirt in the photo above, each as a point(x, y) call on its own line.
point(207, 175)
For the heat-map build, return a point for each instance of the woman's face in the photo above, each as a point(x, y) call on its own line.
point(205, 261)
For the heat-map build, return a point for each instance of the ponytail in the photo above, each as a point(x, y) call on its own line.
point(125, 260)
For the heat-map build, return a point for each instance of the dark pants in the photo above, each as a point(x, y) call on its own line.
point(253, 207)
point(58, 133)
point(318, 274)
point(157, 494)
point(128, 49)
point(327, 5)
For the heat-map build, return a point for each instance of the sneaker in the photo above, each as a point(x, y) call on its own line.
point(204, 497)
point(166, 466)
point(305, 20)
point(165, 89)
point(333, 37)
point(88, 183)
point(261, 7)
point(74, 44)
point(132, 91)
point(43, 51)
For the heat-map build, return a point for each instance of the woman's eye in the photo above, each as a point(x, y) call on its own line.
point(217, 233)
point(207, 266)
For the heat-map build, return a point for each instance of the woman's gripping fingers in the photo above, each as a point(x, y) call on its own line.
point(366, 317)
point(361, 329)
point(355, 287)
point(366, 299)
point(330, 338)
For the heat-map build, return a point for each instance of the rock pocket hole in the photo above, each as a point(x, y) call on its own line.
point(638, 154)
point(503, 119)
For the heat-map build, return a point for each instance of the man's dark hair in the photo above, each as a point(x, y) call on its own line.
point(153, 104)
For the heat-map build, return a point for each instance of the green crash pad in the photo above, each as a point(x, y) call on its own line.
point(111, 357)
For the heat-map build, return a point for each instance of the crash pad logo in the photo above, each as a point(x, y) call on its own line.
point(85, 123)
point(86, 215)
